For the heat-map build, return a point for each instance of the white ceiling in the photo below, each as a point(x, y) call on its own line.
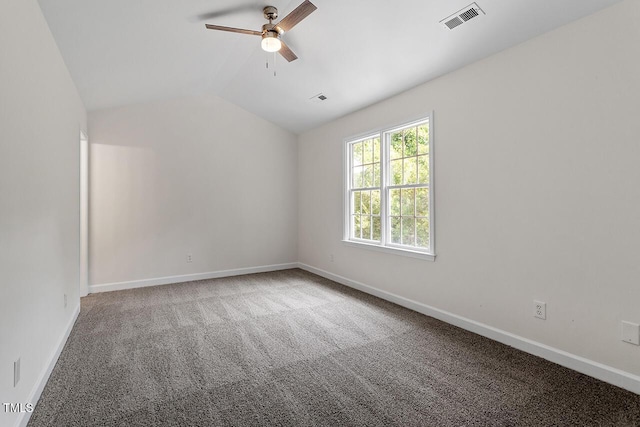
point(356, 52)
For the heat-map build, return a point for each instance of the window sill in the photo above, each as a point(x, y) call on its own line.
point(390, 250)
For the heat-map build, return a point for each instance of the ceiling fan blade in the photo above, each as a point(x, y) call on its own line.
point(297, 15)
point(233, 30)
point(287, 53)
point(228, 11)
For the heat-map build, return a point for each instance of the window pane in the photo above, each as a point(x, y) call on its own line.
point(423, 169)
point(422, 229)
point(356, 153)
point(367, 148)
point(357, 177)
point(396, 172)
point(394, 202)
point(408, 231)
point(366, 227)
point(376, 175)
point(408, 201)
point(410, 144)
point(356, 226)
point(423, 139)
point(375, 202)
point(395, 229)
point(367, 176)
point(356, 202)
point(376, 228)
point(366, 200)
point(395, 145)
point(422, 202)
point(376, 149)
point(410, 171)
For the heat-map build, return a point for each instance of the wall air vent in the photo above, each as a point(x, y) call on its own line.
point(462, 16)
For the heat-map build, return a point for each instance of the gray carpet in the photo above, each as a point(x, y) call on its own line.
point(290, 348)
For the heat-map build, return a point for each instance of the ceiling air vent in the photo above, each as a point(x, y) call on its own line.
point(452, 23)
point(318, 98)
point(462, 16)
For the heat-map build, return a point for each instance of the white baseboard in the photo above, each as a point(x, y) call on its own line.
point(597, 370)
point(24, 417)
point(118, 286)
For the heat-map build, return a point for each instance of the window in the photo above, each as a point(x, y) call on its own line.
point(388, 197)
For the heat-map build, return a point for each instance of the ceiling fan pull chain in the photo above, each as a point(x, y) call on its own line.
point(274, 64)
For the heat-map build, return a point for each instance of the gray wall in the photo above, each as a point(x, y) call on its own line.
point(536, 190)
point(194, 176)
point(40, 120)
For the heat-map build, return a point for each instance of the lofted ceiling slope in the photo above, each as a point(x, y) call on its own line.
point(355, 52)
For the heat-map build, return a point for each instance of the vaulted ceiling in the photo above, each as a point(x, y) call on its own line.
point(355, 52)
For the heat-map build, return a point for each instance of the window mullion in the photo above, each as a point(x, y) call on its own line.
point(351, 204)
point(395, 187)
point(384, 173)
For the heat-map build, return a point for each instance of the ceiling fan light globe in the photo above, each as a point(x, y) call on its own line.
point(271, 44)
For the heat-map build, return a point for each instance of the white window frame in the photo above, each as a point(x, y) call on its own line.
point(385, 244)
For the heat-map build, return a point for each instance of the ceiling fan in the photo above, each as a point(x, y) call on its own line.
point(271, 33)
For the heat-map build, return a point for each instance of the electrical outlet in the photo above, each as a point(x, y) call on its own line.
point(65, 300)
point(631, 333)
point(189, 258)
point(540, 310)
point(16, 372)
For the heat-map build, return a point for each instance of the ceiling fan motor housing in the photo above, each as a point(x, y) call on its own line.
point(271, 28)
